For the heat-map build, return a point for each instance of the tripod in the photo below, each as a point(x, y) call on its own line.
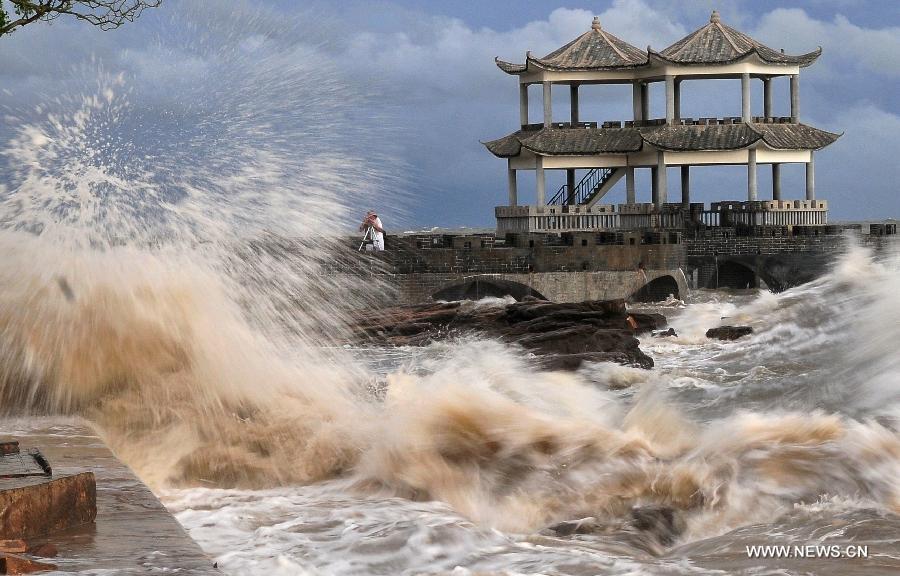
point(368, 238)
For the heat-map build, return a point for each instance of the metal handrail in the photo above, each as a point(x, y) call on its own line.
point(583, 191)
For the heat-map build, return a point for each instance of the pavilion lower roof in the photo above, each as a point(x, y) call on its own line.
point(566, 141)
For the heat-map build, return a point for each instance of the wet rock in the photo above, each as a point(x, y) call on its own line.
point(47, 550)
point(665, 333)
point(665, 523)
point(15, 564)
point(587, 525)
point(563, 335)
point(729, 332)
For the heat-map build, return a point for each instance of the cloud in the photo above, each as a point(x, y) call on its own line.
point(858, 174)
point(426, 88)
point(845, 43)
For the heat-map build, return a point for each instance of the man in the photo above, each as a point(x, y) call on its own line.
point(373, 221)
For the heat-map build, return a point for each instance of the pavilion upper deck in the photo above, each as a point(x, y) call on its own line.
point(609, 151)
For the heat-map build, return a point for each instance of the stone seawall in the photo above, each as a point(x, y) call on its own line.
point(589, 267)
point(571, 267)
point(421, 287)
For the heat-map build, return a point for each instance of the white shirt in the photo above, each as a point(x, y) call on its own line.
point(378, 237)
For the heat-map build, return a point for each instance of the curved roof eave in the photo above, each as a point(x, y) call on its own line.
point(538, 63)
point(826, 138)
point(510, 67)
point(505, 147)
point(802, 60)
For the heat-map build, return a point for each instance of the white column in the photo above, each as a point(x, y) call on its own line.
point(751, 175)
point(745, 97)
point(513, 187)
point(541, 181)
point(677, 99)
point(767, 97)
point(670, 99)
point(573, 99)
point(636, 100)
point(523, 104)
point(629, 185)
point(811, 178)
point(548, 104)
point(661, 185)
point(795, 98)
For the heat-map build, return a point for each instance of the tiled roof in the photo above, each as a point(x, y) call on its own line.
point(717, 43)
point(794, 136)
point(596, 49)
point(590, 141)
point(581, 141)
point(509, 67)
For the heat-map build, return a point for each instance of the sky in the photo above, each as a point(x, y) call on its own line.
point(423, 91)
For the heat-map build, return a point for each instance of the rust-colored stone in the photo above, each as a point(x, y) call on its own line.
point(14, 564)
point(31, 507)
point(47, 550)
point(13, 546)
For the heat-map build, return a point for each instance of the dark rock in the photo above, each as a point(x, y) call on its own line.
point(665, 523)
point(665, 333)
point(729, 332)
point(642, 323)
point(565, 335)
point(47, 550)
point(583, 526)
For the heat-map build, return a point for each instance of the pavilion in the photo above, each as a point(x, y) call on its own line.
point(616, 149)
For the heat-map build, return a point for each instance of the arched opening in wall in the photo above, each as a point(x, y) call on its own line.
point(478, 288)
point(733, 275)
point(656, 290)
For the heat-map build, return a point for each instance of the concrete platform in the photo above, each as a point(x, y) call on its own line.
point(133, 532)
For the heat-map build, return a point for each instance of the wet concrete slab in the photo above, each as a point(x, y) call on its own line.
point(133, 532)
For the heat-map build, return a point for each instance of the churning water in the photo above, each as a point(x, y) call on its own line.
point(144, 288)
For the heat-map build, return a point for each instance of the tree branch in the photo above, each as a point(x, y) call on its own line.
point(105, 14)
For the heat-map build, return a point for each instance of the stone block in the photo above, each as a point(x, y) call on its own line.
point(15, 564)
point(37, 506)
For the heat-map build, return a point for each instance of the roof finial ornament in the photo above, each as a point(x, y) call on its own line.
point(595, 25)
point(714, 17)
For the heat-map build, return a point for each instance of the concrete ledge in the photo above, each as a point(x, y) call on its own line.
point(133, 532)
point(31, 507)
